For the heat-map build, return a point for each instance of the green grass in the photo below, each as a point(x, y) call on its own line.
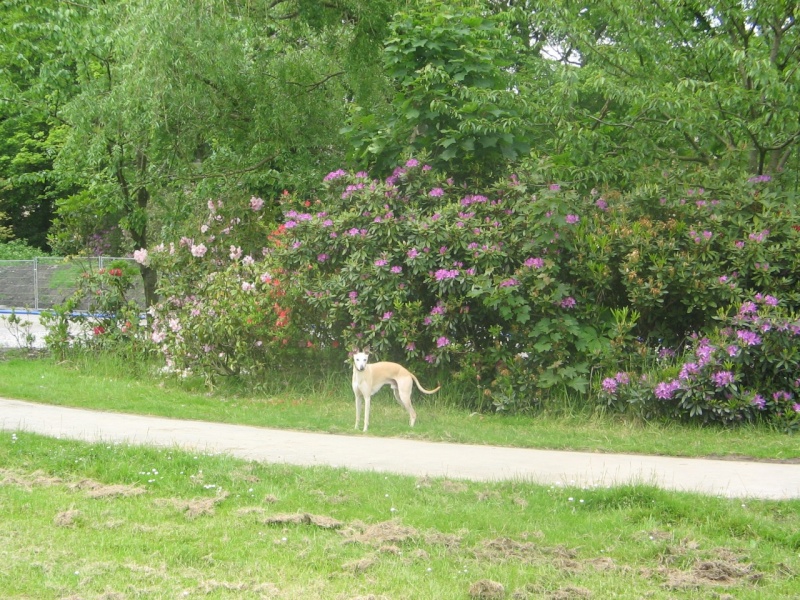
point(321, 400)
point(96, 521)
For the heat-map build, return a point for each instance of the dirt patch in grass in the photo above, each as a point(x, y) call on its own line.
point(486, 589)
point(379, 534)
point(95, 489)
point(505, 549)
point(303, 519)
point(360, 565)
point(28, 481)
point(67, 518)
point(197, 507)
point(723, 570)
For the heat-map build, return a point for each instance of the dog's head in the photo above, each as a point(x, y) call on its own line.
point(360, 359)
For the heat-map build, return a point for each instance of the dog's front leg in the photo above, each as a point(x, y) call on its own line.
point(357, 394)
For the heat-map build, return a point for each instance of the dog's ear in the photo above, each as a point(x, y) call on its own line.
point(366, 350)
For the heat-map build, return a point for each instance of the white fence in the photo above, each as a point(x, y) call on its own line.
point(43, 283)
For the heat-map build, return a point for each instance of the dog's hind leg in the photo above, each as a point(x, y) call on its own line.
point(402, 393)
point(366, 412)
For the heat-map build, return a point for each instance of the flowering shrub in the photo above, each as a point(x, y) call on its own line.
point(420, 268)
point(100, 313)
point(221, 312)
point(747, 369)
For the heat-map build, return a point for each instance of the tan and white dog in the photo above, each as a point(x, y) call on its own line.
point(369, 378)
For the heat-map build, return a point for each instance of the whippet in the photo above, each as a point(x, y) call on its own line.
point(369, 378)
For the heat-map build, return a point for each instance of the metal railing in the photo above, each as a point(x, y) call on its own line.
point(42, 283)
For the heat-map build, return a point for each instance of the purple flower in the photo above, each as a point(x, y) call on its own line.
point(759, 402)
point(554, 187)
point(442, 342)
point(601, 204)
point(568, 302)
point(572, 219)
point(413, 253)
point(256, 203)
point(387, 315)
point(511, 282)
point(535, 263)
point(443, 274)
point(335, 175)
point(396, 270)
point(381, 262)
point(665, 390)
point(622, 377)
point(609, 385)
point(688, 371)
point(750, 338)
point(412, 162)
point(436, 192)
point(722, 378)
point(322, 257)
point(796, 407)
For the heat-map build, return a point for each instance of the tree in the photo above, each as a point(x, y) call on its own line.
point(172, 103)
point(665, 83)
point(458, 93)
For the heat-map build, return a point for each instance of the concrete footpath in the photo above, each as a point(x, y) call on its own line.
point(735, 479)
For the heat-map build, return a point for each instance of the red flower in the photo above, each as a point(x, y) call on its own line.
point(796, 227)
point(99, 330)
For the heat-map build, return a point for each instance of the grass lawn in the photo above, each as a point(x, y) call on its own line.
point(99, 521)
point(323, 401)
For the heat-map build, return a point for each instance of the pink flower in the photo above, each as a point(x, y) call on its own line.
point(436, 192)
point(535, 263)
point(199, 250)
point(572, 219)
point(141, 257)
point(442, 342)
point(387, 315)
point(256, 204)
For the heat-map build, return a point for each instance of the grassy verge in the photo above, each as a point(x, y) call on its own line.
point(322, 401)
point(99, 521)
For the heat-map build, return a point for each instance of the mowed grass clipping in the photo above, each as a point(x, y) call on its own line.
point(321, 400)
point(100, 521)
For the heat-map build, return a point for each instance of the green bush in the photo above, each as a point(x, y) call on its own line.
point(19, 250)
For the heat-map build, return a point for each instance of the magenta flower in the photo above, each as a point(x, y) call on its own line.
point(722, 378)
point(322, 257)
point(665, 390)
point(396, 270)
point(572, 219)
point(554, 187)
point(387, 315)
point(535, 263)
point(443, 274)
point(568, 302)
point(442, 342)
point(511, 282)
point(381, 262)
point(335, 175)
point(759, 402)
point(412, 162)
point(436, 192)
point(609, 385)
point(413, 253)
point(750, 338)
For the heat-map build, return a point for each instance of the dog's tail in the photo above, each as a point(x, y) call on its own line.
point(422, 389)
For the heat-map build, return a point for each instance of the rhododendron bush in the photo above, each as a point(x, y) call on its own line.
point(525, 285)
point(220, 312)
point(517, 289)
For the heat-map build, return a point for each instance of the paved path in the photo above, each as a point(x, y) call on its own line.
point(737, 479)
